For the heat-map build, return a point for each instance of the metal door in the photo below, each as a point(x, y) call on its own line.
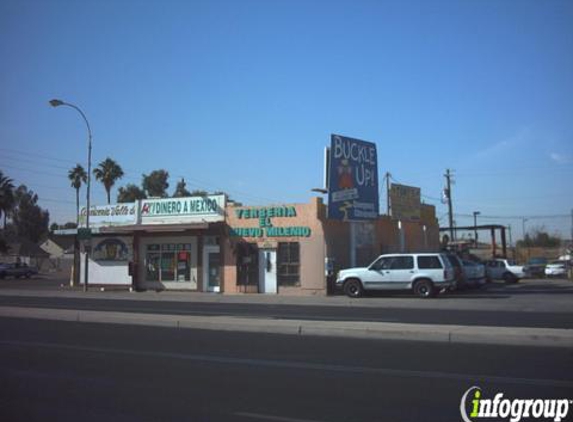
point(268, 271)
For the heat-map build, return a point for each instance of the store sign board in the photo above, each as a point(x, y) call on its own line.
point(193, 209)
point(405, 202)
point(110, 215)
point(353, 180)
point(266, 228)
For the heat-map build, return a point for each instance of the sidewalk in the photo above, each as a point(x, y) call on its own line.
point(343, 329)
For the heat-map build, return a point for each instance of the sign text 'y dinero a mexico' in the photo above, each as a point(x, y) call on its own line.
point(193, 209)
point(266, 228)
point(353, 179)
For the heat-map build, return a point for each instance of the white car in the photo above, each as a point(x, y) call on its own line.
point(425, 274)
point(504, 269)
point(556, 269)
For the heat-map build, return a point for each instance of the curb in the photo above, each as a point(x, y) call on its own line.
point(455, 334)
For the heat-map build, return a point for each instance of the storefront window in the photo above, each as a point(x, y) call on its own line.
point(168, 262)
point(289, 264)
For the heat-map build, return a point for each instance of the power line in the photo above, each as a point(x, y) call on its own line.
point(517, 217)
point(128, 174)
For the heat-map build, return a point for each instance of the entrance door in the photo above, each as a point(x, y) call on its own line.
point(211, 269)
point(268, 271)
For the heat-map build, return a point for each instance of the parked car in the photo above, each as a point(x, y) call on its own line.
point(17, 270)
point(504, 269)
point(535, 267)
point(474, 273)
point(425, 274)
point(459, 274)
point(556, 269)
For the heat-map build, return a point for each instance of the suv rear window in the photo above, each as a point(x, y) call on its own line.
point(429, 262)
point(402, 263)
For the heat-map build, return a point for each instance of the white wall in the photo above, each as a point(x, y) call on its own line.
point(108, 272)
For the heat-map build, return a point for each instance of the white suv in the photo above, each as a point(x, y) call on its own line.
point(424, 273)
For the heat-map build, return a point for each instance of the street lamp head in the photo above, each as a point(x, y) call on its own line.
point(319, 190)
point(56, 102)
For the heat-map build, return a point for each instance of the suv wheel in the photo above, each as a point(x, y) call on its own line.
point(353, 288)
point(424, 288)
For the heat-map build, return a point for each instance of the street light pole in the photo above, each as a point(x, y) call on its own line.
point(476, 213)
point(57, 103)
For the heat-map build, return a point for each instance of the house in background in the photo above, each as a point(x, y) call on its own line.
point(20, 249)
point(61, 252)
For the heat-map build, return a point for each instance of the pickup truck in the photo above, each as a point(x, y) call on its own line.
point(17, 270)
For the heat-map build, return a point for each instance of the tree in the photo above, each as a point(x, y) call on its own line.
point(155, 184)
point(77, 176)
point(198, 192)
point(181, 190)
point(108, 172)
point(540, 238)
point(7, 199)
point(30, 221)
point(130, 193)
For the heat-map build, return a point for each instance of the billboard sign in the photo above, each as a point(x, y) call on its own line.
point(405, 202)
point(353, 180)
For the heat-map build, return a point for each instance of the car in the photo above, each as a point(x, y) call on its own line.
point(504, 269)
point(17, 270)
point(556, 269)
point(425, 274)
point(459, 274)
point(474, 273)
point(535, 267)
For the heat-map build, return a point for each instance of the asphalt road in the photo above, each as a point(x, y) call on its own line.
point(304, 312)
point(63, 371)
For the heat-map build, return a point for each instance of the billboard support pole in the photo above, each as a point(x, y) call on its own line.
point(353, 244)
point(388, 175)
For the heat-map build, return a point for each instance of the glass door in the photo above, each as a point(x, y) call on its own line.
point(211, 269)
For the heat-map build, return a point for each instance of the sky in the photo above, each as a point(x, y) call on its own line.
point(242, 97)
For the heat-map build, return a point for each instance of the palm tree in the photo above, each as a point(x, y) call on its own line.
point(108, 172)
point(77, 175)
point(7, 199)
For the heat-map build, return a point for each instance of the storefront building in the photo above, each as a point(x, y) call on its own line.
point(204, 244)
point(170, 243)
point(275, 249)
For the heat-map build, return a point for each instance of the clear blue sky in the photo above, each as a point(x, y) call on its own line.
point(242, 96)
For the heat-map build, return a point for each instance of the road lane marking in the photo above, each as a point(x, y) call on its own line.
point(284, 364)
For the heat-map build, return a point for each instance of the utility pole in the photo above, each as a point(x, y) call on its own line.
point(476, 213)
point(511, 243)
point(448, 176)
point(388, 175)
